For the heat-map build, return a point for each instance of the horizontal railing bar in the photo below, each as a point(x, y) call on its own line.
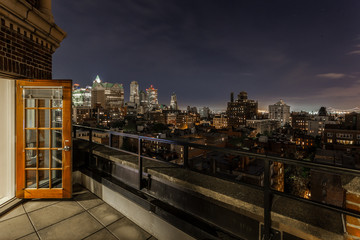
point(323, 205)
point(317, 166)
point(134, 154)
point(107, 131)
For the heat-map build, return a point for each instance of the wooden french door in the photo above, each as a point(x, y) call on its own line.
point(43, 139)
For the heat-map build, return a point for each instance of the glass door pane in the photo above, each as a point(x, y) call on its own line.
point(43, 134)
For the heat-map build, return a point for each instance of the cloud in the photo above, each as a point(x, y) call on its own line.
point(331, 75)
point(348, 92)
point(355, 52)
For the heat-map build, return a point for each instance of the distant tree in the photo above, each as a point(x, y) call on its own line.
point(130, 126)
point(86, 124)
point(322, 111)
point(297, 180)
point(159, 127)
point(117, 124)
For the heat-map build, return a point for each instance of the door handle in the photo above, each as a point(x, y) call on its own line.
point(67, 145)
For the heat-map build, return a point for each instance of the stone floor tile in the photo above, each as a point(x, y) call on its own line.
point(78, 190)
point(76, 227)
point(16, 227)
point(88, 200)
point(32, 236)
point(36, 204)
point(19, 210)
point(105, 214)
point(101, 235)
point(125, 229)
point(49, 215)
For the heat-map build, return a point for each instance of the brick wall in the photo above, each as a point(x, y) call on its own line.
point(353, 224)
point(23, 54)
point(352, 198)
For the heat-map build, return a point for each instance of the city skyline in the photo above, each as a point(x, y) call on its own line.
point(303, 52)
point(220, 109)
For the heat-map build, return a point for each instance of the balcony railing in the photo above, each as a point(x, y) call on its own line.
point(265, 187)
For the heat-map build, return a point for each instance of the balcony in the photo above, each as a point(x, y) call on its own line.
point(201, 195)
point(182, 190)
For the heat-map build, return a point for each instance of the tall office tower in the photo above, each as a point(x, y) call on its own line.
point(240, 110)
point(280, 111)
point(107, 95)
point(143, 102)
point(152, 96)
point(173, 102)
point(205, 112)
point(81, 97)
point(143, 98)
point(134, 93)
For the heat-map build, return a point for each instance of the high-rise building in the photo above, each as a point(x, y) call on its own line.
point(107, 95)
point(81, 97)
point(143, 98)
point(173, 102)
point(134, 93)
point(205, 112)
point(240, 110)
point(143, 102)
point(280, 111)
point(190, 109)
point(152, 97)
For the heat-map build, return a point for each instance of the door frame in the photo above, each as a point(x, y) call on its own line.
point(21, 190)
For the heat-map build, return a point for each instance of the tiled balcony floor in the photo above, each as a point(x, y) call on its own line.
point(84, 217)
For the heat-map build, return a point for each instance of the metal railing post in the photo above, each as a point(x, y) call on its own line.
point(140, 163)
point(110, 139)
point(90, 135)
point(90, 146)
point(186, 156)
point(267, 201)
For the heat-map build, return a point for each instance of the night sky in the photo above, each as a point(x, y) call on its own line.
point(305, 52)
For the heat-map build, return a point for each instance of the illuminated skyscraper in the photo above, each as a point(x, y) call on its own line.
point(152, 96)
point(107, 95)
point(134, 93)
point(280, 111)
point(143, 102)
point(173, 102)
point(81, 97)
